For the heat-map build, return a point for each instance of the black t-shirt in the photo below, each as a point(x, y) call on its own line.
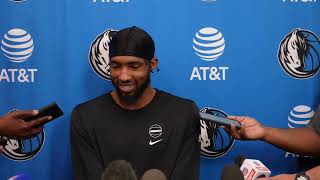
point(315, 121)
point(306, 163)
point(162, 135)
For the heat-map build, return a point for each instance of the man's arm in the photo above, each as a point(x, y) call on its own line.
point(188, 162)
point(85, 161)
point(303, 141)
point(313, 173)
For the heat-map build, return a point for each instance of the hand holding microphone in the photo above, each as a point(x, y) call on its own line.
point(250, 129)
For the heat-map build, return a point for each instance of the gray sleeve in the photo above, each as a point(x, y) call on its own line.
point(315, 121)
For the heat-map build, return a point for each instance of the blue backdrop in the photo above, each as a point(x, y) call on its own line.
point(245, 57)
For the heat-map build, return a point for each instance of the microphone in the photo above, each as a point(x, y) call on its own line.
point(153, 174)
point(219, 120)
point(231, 172)
point(251, 168)
point(119, 170)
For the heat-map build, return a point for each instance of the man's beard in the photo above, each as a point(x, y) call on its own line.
point(131, 99)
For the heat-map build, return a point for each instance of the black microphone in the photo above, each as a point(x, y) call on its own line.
point(119, 170)
point(153, 174)
point(239, 160)
point(219, 120)
point(231, 172)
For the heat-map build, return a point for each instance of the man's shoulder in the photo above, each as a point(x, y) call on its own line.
point(93, 103)
point(168, 97)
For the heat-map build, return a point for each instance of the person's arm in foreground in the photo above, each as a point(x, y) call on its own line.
point(303, 141)
point(313, 173)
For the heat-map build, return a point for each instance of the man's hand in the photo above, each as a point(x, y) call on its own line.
point(13, 125)
point(251, 129)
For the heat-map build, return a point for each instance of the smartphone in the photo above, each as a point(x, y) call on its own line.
point(219, 120)
point(51, 109)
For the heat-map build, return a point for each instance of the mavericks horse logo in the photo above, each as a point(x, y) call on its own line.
point(21, 150)
point(215, 142)
point(99, 54)
point(299, 54)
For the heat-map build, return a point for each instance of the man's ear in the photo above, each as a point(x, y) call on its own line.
point(154, 64)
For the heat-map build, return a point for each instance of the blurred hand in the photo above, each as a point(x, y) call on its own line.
point(13, 125)
point(251, 129)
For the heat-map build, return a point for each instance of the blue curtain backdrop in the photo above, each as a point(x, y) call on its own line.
point(232, 57)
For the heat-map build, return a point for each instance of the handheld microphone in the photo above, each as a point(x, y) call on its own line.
point(231, 172)
point(219, 120)
point(251, 168)
point(153, 174)
point(119, 170)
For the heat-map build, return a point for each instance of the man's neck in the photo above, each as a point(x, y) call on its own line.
point(144, 100)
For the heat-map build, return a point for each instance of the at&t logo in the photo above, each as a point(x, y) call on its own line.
point(299, 117)
point(209, 0)
point(304, 1)
point(209, 45)
point(111, 1)
point(17, 45)
point(18, 0)
point(299, 54)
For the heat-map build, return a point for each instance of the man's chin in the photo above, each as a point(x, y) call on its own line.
point(128, 99)
point(126, 94)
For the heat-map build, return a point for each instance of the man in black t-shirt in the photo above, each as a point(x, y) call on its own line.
point(147, 127)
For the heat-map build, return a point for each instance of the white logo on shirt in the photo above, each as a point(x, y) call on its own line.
point(155, 131)
point(151, 143)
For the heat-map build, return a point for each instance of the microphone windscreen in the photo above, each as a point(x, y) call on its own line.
point(231, 172)
point(119, 170)
point(153, 174)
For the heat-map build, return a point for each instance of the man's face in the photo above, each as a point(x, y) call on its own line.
point(130, 76)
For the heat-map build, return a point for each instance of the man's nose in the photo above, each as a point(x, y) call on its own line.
point(124, 74)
